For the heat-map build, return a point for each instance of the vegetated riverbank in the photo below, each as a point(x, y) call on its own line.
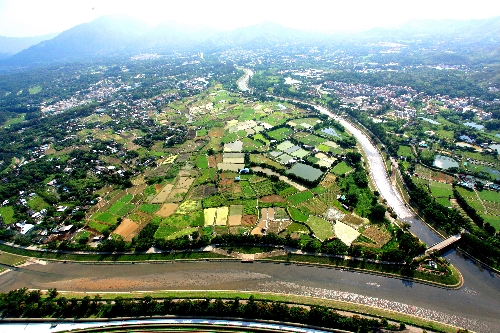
point(242, 305)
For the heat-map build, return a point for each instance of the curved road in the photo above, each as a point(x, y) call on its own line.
point(475, 306)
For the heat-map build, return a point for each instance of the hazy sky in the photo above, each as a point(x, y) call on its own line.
point(20, 18)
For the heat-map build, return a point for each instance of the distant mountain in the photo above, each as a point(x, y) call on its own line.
point(118, 36)
point(174, 36)
point(266, 34)
point(485, 30)
point(12, 45)
point(107, 35)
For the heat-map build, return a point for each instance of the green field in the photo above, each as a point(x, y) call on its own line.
point(100, 227)
point(34, 90)
point(489, 195)
point(165, 231)
point(297, 215)
point(11, 259)
point(321, 228)
point(7, 213)
point(405, 151)
point(106, 217)
point(341, 169)
point(202, 162)
point(149, 208)
point(441, 190)
point(300, 197)
point(488, 210)
point(280, 134)
point(37, 203)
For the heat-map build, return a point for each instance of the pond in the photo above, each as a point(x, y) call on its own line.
point(445, 162)
point(476, 126)
point(306, 172)
point(496, 147)
point(466, 138)
point(331, 131)
point(430, 121)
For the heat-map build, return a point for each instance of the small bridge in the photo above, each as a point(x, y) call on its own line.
point(445, 243)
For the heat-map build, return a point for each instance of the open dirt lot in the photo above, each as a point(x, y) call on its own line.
point(126, 229)
point(184, 182)
point(177, 195)
point(167, 209)
point(234, 220)
point(272, 198)
point(163, 195)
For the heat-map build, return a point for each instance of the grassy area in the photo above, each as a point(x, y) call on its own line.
point(149, 208)
point(7, 213)
point(297, 215)
point(405, 151)
point(300, 197)
point(489, 210)
point(11, 259)
point(35, 90)
point(489, 195)
point(341, 169)
point(14, 120)
point(441, 190)
point(321, 228)
point(202, 162)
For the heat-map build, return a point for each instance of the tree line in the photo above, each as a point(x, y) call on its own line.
point(22, 303)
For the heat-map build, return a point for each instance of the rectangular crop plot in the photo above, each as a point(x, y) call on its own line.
point(184, 182)
point(441, 190)
point(163, 195)
point(284, 158)
point(189, 206)
point(300, 197)
point(230, 166)
point(285, 145)
point(300, 153)
point(235, 210)
point(341, 169)
point(263, 188)
point(106, 217)
point(345, 233)
point(233, 158)
point(210, 216)
point(280, 133)
point(321, 228)
point(149, 208)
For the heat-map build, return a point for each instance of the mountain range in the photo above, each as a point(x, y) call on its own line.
point(119, 36)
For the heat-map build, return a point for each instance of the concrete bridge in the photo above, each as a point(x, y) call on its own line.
point(445, 243)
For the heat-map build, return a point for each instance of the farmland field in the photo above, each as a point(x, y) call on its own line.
point(297, 215)
point(489, 195)
point(489, 212)
point(345, 233)
point(300, 197)
point(341, 169)
point(280, 133)
point(441, 190)
point(149, 208)
point(321, 228)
